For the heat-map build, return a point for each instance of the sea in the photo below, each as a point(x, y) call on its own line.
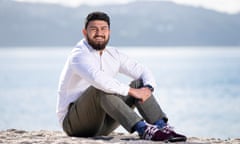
point(198, 87)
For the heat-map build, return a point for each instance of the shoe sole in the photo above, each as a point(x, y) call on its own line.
point(177, 139)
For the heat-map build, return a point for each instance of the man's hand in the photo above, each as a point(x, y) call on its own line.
point(142, 93)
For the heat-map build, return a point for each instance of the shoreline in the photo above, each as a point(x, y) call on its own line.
point(15, 136)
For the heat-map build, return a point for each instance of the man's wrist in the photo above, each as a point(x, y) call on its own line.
point(150, 87)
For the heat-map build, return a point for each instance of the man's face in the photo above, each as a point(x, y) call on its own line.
point(97, 34)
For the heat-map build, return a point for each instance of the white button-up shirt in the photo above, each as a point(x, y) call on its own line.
point(86, 67)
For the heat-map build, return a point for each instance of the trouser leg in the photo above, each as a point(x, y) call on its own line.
point(150, 109)
point(120, 108)
point(99, 113)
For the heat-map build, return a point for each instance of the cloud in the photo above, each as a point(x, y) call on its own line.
point(227, 6)
point(75, 3)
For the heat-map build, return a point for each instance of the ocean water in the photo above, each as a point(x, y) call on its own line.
point(198, 87)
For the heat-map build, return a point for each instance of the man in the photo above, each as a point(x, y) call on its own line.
point(92, 102)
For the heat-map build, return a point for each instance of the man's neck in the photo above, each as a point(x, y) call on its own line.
point(101, 52)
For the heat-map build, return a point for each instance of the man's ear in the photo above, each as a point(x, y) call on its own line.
point(84, 32)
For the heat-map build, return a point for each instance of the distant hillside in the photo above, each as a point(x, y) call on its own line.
point(133, 24)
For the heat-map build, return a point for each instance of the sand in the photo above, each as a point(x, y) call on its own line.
point(14, 136)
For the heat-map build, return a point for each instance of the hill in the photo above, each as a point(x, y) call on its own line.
point(153, 23)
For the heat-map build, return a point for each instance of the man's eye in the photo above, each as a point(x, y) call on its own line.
point(93, 29)
point(104, 28)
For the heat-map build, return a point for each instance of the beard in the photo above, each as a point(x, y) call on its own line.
point(97, 45)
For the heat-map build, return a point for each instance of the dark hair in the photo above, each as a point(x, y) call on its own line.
point(97, 16)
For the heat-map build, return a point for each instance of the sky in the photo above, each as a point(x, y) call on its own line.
point(226, 6)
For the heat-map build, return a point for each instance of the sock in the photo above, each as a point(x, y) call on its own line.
point(140, 127)
point(160, 123)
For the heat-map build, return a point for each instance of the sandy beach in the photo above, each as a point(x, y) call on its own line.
point(14, 136)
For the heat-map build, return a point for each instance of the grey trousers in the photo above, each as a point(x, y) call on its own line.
point(97, 113)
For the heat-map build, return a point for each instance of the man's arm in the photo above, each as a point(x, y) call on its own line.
point(136, 70)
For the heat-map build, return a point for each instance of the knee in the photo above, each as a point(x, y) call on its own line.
point(92, 89)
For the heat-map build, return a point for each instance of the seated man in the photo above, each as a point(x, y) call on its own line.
point(92, 102)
